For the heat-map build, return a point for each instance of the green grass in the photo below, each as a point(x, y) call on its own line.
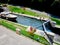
point(15, 9)
point(28, 12)
point(4, 23)
point(20, 10)
point(13, 26)
point(56, 43)
point(56, 20)
point(34, 37)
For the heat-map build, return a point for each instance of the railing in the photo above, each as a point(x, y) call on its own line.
point(46, 35)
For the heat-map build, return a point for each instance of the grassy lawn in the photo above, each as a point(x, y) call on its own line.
point(56, 20)
point(15, 9)
point(35, 36)
point(28, 12)
point(13, 26)
point(56, 43)
point(21, 10)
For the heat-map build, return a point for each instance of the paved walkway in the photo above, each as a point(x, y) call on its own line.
point(8, 37)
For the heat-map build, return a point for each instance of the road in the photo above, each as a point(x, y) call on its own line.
point(8, 37)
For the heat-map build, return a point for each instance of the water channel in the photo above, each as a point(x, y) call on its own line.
point(31, 22)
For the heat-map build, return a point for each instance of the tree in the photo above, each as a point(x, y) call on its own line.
point(38, 0)
point(55, 2)
point(8, 1)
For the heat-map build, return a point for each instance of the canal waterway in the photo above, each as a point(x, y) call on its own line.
point(31, 22)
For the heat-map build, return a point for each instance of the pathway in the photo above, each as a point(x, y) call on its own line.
point(8, 37)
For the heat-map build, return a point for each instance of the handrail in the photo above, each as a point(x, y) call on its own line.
point(44, 29)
